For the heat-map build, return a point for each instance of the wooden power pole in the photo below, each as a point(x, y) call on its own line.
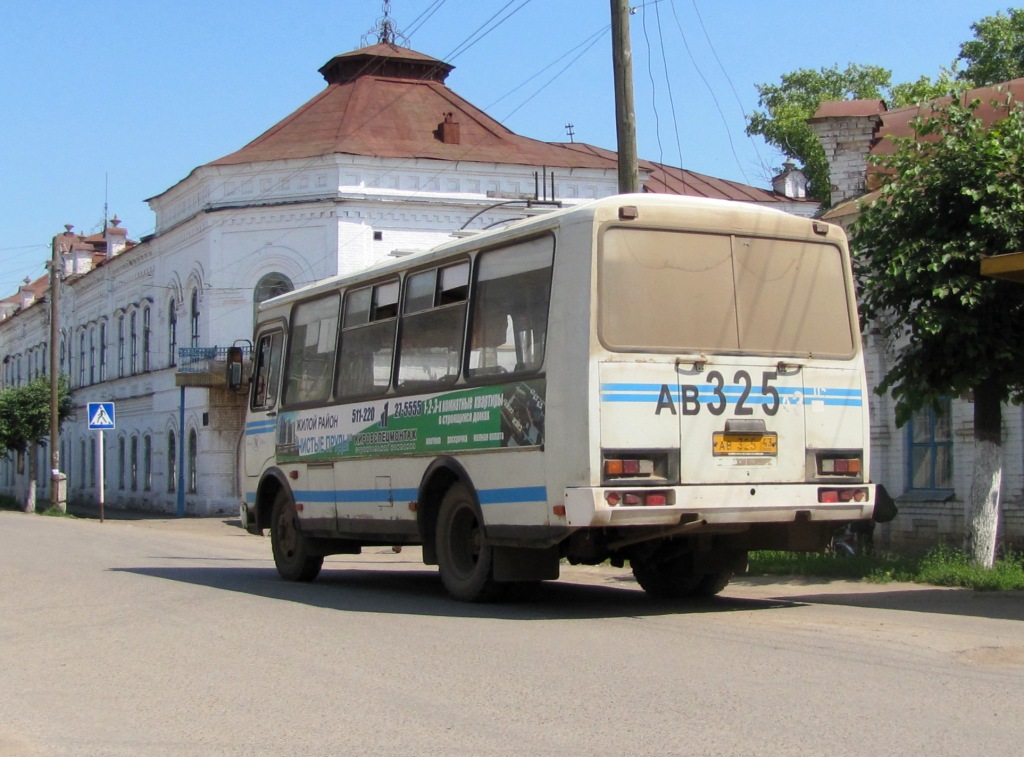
point(625, 117)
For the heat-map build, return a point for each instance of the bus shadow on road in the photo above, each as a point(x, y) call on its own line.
point(420, 592)
point(1007, 605)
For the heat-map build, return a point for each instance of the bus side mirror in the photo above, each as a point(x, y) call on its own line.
point(234, 368)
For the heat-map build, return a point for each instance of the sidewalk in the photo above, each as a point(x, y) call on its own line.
point(150, 519)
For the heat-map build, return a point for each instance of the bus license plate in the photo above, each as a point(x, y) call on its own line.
point(744, 444)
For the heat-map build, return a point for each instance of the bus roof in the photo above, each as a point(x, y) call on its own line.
point(701, 211)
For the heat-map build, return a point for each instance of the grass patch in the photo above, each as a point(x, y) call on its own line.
point(942, 566)
point(55, 512)
point(10, 503)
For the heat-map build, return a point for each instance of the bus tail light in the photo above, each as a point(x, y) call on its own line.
point(835, 496)
point(638, 498)
point(843, 464)
point(644, 466)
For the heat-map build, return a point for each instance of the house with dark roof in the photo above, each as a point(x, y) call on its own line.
point(927, 465)
point(386, 159)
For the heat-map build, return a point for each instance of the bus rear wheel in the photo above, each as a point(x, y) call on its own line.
point(465, 560)
point(292, 555)
point(667, 579)
point(712, 584)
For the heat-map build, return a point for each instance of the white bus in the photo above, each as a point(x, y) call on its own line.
point(663, 381)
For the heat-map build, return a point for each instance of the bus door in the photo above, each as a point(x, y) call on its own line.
point(260, 428)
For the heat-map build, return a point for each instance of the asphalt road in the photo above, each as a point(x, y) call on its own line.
point(176, 637)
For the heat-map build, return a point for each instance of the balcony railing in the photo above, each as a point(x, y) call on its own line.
point(204, 366)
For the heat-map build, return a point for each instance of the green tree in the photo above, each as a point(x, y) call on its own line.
point(924, 89)
point(996, 54)
point(789, 104)
point(953, 194)
point(25, 421)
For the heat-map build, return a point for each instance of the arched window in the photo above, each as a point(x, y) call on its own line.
point(147, 463)
point(134, 341)
point(92, 355)
point(103, 351)
point(193, 460)
point(134, 466)
point(81, 359)
point(269, 286)
point(122, 467)
point(172, 462)
point(120, 346)
point(145, 338)
point(172, 332)
point(194, 317)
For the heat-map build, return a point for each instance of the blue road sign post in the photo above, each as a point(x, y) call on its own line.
point(101, 418)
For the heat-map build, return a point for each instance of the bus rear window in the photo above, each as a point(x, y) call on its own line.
point(670, 291)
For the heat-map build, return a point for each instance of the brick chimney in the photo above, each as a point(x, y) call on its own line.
point(847, 129)
point(448, 130)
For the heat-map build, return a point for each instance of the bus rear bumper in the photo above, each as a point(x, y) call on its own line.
point(720, 505)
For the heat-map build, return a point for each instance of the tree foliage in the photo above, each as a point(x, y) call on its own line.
point(789, 104)
point(954, 193)
point(25, 412)
point(996, 54)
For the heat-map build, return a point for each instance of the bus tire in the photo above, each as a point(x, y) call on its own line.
point(666, 579)
point(712, 584)
point(465, 561)
point(291, 549)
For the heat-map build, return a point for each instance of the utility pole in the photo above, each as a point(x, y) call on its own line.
point(625, 116)
point(55, 478)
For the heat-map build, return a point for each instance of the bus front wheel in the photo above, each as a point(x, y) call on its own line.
point(465, 560)
point(291, 549)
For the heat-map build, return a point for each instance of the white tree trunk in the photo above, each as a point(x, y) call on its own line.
point(30, 495)
point(981, 516)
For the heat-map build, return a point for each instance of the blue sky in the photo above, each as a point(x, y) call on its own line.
point(121, 99)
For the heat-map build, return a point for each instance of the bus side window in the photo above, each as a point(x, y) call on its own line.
point(368, 340)
point(311, 351)
point(433, 322)
point(510, 309)
point(267, 375)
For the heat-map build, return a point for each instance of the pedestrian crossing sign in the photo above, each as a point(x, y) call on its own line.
point(101, 416)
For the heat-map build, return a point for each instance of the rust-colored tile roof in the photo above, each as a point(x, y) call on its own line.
point(387, 101)
point(671, 180)
point(897, 123)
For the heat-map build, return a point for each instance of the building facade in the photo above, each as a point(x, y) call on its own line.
point(385, 160)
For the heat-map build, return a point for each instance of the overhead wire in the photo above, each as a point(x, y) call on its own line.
point(711, 91)
point(728, 79)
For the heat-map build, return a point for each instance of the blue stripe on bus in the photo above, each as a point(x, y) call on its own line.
point(260, 427)
point(514, 494)
point(349, 496)
point(706, 394)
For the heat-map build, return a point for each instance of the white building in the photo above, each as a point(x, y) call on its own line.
point(385, 159)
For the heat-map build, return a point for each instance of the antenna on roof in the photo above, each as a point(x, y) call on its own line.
point(385, 30)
